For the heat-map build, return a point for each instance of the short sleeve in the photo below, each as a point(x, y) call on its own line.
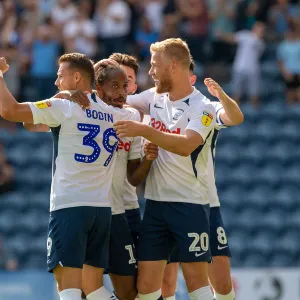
point(50, 112)
point(218, 109)
point(142, 101)
point(202, 119)
point(241, 36)
point(135, 151)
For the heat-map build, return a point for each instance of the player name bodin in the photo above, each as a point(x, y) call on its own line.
point(95, 114)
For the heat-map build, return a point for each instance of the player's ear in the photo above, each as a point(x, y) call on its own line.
point(135, 88)
point(77, 76)
point(193, 79)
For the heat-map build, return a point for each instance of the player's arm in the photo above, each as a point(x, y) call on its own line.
point(138, 170)
point(231, 114)
point(142, 101)
point(195, 134)
point(36, 127)
point(10, 109)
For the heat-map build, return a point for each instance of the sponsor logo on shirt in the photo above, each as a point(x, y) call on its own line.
point(206, 118)
point(43, 104)
point(124, 146)
point(162, 127)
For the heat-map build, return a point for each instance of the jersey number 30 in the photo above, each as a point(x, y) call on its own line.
point(89, 140)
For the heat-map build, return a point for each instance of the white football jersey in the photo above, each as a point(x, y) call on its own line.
point(174, 178)
point(129, 149)
point(130, 197)
point(212, 189)
point(84, 147)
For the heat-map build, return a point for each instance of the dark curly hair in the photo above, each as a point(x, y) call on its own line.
point(104, 70)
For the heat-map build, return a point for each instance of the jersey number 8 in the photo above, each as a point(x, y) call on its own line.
point(89, 140)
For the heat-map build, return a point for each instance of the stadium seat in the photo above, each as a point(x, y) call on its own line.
point(9, 222)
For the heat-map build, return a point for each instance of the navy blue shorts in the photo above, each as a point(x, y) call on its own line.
point(122, 257)
point(218, 239)
point(77, 236)
point(167, 225)
point(134, 221)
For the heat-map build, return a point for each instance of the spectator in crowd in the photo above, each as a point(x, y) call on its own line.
point(44, 70)
point(8, 262)
point(246, 65)
point(289, 65)
point(113, 23)
point(195, 27)
point(222, 16)
point(153, 11)
point(145, 36)
point(283, 15)
point(62, 13)
point(81, 32)
point(6, 173)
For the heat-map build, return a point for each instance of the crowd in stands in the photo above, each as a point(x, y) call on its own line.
point(228, 40)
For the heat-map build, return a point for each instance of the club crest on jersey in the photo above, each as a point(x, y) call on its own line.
point(178, 114)
point(43, 104)
point(206, 118)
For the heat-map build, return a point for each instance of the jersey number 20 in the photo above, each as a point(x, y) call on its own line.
point(89, 140)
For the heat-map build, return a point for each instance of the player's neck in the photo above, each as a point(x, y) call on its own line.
point(180, 90)
point(85, 87)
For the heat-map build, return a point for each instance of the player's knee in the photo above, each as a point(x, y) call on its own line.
point(219, 275)
point(67, 278)
point(125, 293)
point(196, 275)
point(222, 285)
point(168, 287)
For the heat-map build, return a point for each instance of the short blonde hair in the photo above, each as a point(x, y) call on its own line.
point(175, 48)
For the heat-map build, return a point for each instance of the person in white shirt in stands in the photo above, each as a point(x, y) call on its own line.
point(80, 209)
point(228, 114)
point(246, 65)
point(177, 209)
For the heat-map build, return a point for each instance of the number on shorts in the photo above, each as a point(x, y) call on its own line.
point(132, 259)
point(222, 239)
point(204, 242)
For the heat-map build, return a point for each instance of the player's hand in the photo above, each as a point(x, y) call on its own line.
point(79, 97)
point(128, 128)
point(214, 88)
point(151, 151)
point(3, 65)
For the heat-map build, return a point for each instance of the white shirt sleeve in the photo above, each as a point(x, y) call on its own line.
point(50, 112)
point(219, 109)
point(202, 120)
point(142, 101)
point(241, 36)
point(135, 151)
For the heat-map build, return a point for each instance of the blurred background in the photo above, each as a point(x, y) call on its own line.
point(251, 47)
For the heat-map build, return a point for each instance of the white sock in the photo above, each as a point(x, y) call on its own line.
point(70, 294)
point(170, 298)
point(203, 293)
point(230, 296)
point(100, 294)
point(152, 296)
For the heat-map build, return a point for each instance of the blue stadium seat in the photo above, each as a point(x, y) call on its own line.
point(34, 221)
point(9, 222)
point(19, 244)
point(14, 200)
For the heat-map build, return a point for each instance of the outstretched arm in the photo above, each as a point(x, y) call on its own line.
point(36, 127)
point(10, 109)
point(179, 144)
point(231, 114)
